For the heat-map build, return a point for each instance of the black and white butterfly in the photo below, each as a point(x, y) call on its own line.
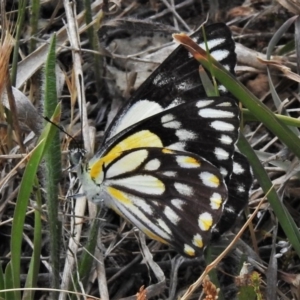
point(168, 162)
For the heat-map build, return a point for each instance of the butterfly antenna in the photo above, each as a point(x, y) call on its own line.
point(62, 130)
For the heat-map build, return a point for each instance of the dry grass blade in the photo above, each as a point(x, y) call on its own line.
point(6, 47)
point(291, 5)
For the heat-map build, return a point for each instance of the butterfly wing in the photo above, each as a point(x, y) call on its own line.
point(176, 80)
point(174, 197)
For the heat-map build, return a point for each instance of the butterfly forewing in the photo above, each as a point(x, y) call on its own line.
point(176, 80)
point(155, 189)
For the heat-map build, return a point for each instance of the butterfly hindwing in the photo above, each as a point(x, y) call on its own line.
point(155, 189)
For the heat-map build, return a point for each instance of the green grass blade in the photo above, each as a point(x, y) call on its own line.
point(34, 21)
point(87, 260)
point(9, 282)
point(26, 187)
point(2, 280)
point(52, 168)
point(284, 218)
point(289, 121)
point(31, 280)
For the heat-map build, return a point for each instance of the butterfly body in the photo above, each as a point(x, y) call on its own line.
point(167, 159)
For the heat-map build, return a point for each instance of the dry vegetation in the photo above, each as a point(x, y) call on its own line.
point(122, 266)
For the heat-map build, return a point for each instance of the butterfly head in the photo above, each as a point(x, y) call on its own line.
point(77, 157)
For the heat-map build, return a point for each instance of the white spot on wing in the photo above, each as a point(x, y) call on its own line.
point(222, 126)
point(209, 179)
point(241, 188)
point(183, 189)
point(187, 162)
point(204, 103)
point(177, 203)
point(170, 173)
point(212, 43)
point(220, 54)
point(229, 209)
point(179, 146)
point(223, 171)
point(152, 165)
point(169, 121)
point(205, 221)
point(215, 113)
point(185, 135)
point(225, 104)
point(215, 201)
point(226, 139)
point(171, 215)
point(167, 118)
point(221, 154)
point(198, 241)
point(188, 250)
point(238, 169)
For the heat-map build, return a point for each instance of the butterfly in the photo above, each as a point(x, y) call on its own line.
point(168, 162)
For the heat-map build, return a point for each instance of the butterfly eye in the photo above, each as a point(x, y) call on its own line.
point(76, 157)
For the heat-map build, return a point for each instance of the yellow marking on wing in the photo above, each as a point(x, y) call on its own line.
point(192, 161)
point(153, 236)
point(96, 168)
point(215, 180)
point(205, 221)
point(197, 241)
point(215, 201)
point(167, 151)
point(189, 250)
point(121, 197)
point(143, 138)
point(206, 224)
